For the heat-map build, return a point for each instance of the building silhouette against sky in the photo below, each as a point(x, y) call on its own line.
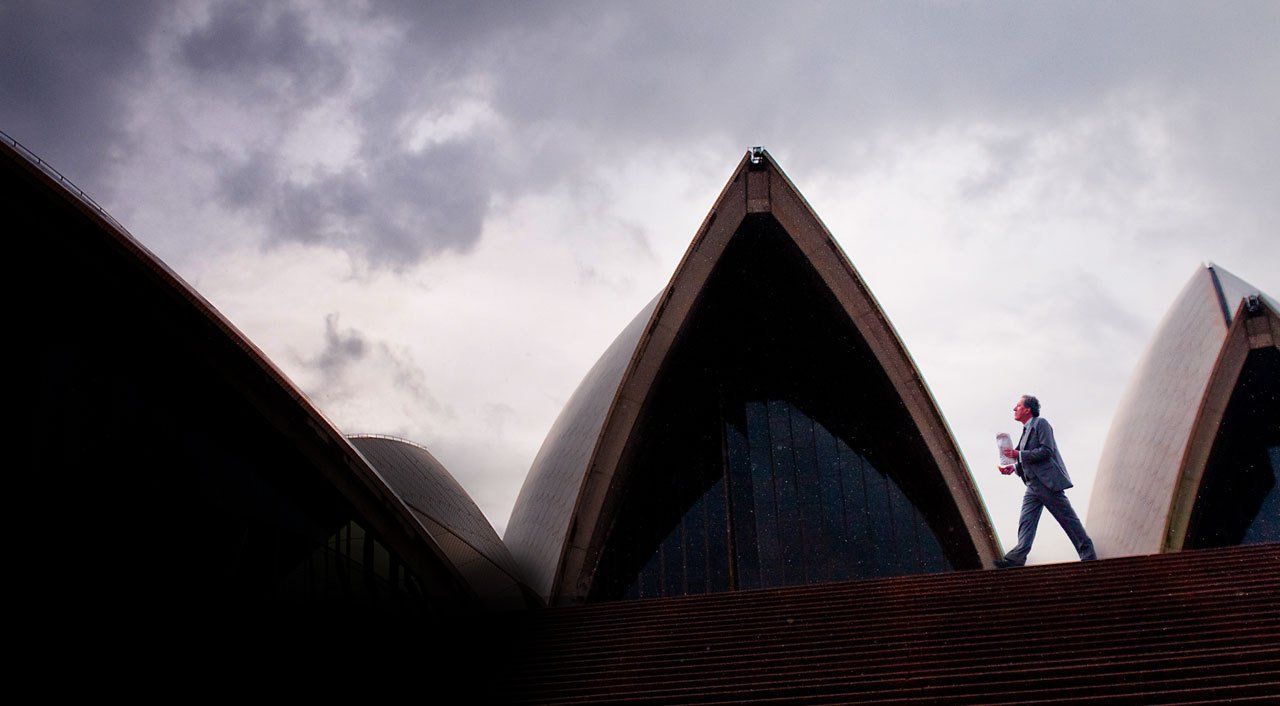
point(759, 425)
point(185, 469)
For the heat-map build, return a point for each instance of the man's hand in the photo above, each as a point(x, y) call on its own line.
point(1009, 453)
point(1006, 470)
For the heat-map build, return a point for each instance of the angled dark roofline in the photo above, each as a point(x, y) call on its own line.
point(343, 466)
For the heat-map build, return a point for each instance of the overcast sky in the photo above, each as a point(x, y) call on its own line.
point(435, 216)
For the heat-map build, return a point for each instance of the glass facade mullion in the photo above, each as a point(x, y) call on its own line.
point(673, 560)
point(741, 508)
point(720, 564)
point(790, 527)
point(930, 549)
point(695, 544)
point(904, 531)
point(809, 493)
point(651, 576)
point(836, 537)
point(769, 557)
point(857, 519)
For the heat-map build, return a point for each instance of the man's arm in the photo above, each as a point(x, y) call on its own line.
point(1044, 445)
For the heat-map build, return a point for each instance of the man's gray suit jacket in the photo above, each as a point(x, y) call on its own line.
point(1040, 458)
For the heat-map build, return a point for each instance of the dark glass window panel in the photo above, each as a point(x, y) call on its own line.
point(817, 554)
point(1266, 524)
point(718, 554)
point(695, 539)
point(761, 451)
point(673, 563)
point(856, 512)
point(742, 505)
point(835, 534)
point(862, 519)
point(904, 531)
point(931, 557)
point(882, 559)
point(352, 563)
point(790, 528)
point(651, 576)
point(1239, 496)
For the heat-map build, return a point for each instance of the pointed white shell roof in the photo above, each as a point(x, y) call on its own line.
point(563, 511)
point(1160, 438)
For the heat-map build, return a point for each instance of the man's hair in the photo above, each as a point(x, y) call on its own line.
point(1031, 403)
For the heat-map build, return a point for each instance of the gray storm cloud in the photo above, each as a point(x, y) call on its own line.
point(350, 365)
point(66, 73)
point(393, 207)
point(265, 49)
point(342, 348)
point(577, 86)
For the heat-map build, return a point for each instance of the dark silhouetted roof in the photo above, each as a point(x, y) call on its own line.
point(261, 382)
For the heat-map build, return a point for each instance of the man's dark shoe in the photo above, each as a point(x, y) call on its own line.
point(1005, 564)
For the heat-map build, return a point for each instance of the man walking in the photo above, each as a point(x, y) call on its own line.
point(1039, 465)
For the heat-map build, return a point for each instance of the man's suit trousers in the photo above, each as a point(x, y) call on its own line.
point(1036, 499)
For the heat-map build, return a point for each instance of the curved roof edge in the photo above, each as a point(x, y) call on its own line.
point(1159, 442)
point(557, 525)
point(349, 472)
point(537, 527)
point(1249, 330)
point(455, 521)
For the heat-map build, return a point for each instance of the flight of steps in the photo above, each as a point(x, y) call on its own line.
point(1197, 626)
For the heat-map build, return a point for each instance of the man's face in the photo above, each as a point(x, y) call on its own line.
point(1020, 412)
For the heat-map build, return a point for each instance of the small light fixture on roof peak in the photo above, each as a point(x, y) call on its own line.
point(757, 154)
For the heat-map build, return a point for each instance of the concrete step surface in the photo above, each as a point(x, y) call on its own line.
point(1191, 627)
